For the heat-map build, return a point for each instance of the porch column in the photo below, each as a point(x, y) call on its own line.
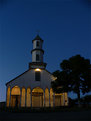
point(67, 99)
point(31, 98)
point(44, 98)
point(49, 99)
point(6, 95)
point(53, 99)
point(25, 97)
point(10, 98)
point(63, 99)
point(20, 96)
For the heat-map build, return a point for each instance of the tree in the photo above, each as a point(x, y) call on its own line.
point(87, 100)
point(75, 76)
point(61, 84)
point(56, 84)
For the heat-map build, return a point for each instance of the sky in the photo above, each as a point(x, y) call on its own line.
point(64, 25)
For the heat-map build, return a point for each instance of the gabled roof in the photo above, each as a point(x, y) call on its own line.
point(37, 38)
point(16, 77)
point(26, 72)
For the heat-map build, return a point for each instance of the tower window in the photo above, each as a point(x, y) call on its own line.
point(37, 76)
point(37, 57)
point(37, 44)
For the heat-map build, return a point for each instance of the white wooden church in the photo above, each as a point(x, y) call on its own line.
point(33, 87)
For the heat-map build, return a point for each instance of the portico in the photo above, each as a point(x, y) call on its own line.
point(37, 97)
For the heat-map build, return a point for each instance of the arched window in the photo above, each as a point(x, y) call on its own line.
point(37, 43)
point(37, 57)
point(15, 97)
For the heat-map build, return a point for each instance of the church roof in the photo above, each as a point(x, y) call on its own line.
point(17, 77)
point(37, 38)
point(23, 74)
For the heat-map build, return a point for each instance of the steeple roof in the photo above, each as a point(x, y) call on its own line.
point(37, 38)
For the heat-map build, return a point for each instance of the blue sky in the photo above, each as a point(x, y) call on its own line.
point(65, 27)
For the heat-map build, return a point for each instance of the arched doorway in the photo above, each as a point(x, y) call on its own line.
point(15, 97)
point(37, 97)
point(58, 99)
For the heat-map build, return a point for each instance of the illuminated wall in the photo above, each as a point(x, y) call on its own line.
point(36, 98)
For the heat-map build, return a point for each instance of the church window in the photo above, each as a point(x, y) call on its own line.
point(37, 76)
point(37, 44)
point(37, 57)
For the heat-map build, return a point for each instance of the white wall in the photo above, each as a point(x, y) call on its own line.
point(34, 44)
point(34, 55)
point(28, 80)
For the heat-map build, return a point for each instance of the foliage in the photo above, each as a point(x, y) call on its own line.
point(75, 76)
point(61, 83)
point(87, 99)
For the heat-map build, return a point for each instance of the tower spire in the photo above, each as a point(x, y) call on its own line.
point(37, 53)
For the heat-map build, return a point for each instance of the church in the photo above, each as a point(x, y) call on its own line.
point(33, 87)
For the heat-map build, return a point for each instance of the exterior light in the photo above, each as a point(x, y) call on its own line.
point(53, 78)
point(37, 69)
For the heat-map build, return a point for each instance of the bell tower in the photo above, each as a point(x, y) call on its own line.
point(37, 53)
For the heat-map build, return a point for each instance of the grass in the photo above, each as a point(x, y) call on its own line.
point(49, 109)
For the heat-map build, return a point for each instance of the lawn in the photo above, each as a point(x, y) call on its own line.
point(57, 114)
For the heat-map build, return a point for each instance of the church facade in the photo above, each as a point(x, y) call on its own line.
point(33, 87)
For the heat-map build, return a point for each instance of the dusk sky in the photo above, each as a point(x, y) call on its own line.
point(64, 25)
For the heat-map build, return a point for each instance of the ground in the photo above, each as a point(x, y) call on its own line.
point(46, 116)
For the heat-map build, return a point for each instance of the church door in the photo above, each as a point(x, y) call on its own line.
point(15, 100)
point(37, 99)
point(57, 100)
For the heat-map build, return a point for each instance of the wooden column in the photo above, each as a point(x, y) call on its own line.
point(10, 98)
point(25, 97)
point(49, 98)
point(20, 96)
point(44, 98)
point(64, 99)
point(6, 96)
point(53, 99)
point(31, 98)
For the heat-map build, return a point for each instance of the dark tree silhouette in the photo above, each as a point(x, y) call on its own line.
point(75, 76)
